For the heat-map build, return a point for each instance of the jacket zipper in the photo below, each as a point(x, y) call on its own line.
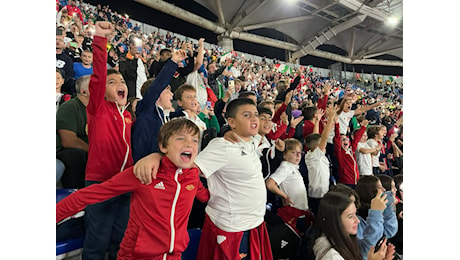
point(124, 137)
point(173, 210)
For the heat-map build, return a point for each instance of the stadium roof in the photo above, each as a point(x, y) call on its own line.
point(369, 31)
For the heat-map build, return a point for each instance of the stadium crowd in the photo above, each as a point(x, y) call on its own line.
point(284, 154)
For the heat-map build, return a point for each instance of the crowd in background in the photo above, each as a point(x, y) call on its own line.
point(298, 99)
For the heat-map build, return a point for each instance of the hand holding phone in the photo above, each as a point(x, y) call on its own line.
point(231, 84)
point(379, 243)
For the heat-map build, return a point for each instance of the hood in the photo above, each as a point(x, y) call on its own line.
point(322, 247)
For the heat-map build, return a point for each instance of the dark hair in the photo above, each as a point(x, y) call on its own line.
point(385, 180)
point(182, 88)
point(329, 223)
point(309, 112)
point(246, 94)
point(266, 102)
point(174, 126)
point(264, 110)
point(164, 50)
point(113, 71)
point(398, 178)
point(347, 191)
point(311, 140)
point(373, 130)
point(233, 106)
point(146, 86)
point(367, 190)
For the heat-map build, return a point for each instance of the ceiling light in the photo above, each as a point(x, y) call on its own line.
point(392, 20)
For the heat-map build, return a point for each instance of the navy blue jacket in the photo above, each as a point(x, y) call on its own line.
point(150, 117)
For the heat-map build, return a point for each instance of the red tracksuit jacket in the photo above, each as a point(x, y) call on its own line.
point(159, 211)
point(348, 167)
point(109, 129)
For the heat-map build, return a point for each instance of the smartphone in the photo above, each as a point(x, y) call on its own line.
point(379, 243)
point(389, 197)
point(208, 104)
point(231, 84)
point(59, 31)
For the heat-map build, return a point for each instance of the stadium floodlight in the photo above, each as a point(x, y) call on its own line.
point(392, 21)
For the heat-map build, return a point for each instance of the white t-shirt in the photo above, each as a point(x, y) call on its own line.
point(364, 160)
point(141, 77)
point(198, 122)
point(288, 177)
point(318, 173)
point(375, 158)
point(237, 189)
point(344, 121)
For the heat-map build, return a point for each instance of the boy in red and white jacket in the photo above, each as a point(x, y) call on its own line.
point(159, 212)
point(109, 152)
point(348, 167)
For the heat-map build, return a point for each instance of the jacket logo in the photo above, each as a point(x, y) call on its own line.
point(128, 120)
point(221, 239)
point(160, 186)
point(190, 187)
point(283, 243)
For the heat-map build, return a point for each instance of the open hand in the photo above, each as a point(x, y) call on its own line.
point(178, 56)
point(379, 202)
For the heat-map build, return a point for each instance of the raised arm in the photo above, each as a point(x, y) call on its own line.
point(200, 56)
point(161, 81)
point(359, 134)
point(368, 107)
point(99, 76)
point(331, 115)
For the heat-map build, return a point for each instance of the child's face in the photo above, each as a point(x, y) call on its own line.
point(363, 138)
point(347, 106)
point(182, 149)
point(188, 100)
point(293, 156)
point(165, 98)
point(246, 122)
point(350, 220)
point(382, 133)
point(116, 89)
point(345, 142)
point(59, 81)
point(87, 58)
point(265, 121)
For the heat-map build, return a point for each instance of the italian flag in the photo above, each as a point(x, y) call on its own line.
point(227, 55)
point(283, 68)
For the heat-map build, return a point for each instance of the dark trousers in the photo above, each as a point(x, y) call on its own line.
point(105, 224)
point(75, 164)
point(313, 205)
point(334, 164)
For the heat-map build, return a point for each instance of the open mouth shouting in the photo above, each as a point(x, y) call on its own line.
point(186, 156)
point(121, 93)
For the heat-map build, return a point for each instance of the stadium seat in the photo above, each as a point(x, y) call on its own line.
point(192, 249)
point(72, 230)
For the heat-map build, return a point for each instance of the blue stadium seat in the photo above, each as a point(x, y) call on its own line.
point(192, 249)
point(72, 229)
point(69, 245)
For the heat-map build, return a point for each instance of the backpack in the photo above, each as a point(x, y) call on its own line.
point(284, 241)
